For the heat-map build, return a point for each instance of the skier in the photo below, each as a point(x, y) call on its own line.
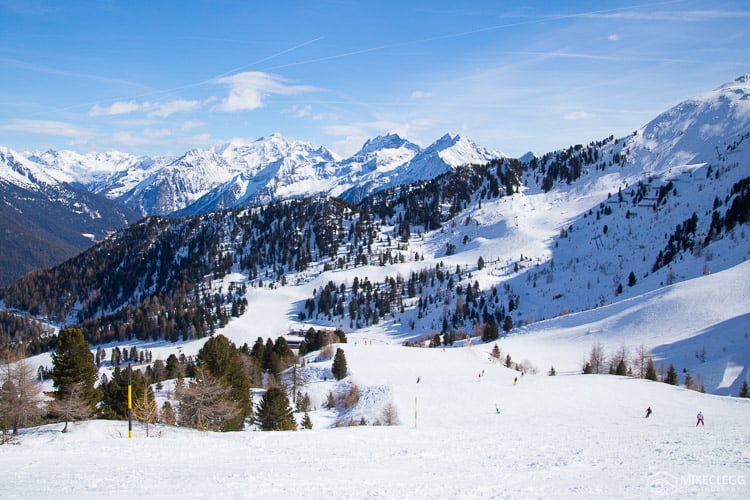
point(700, 419)
point(648, 412)
point(515, 381)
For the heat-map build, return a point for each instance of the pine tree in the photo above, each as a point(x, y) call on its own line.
point(672, 378)
point(651, 370)
point(274, 412)
point(622, 368)
point(222, 359)
point(306, 422)
point(490, 331)
point(339, 364)
point(632, 279)
point(744, 391)
point(73, 366)
point(507, 324)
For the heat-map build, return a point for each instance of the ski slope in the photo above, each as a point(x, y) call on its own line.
point(568, 436)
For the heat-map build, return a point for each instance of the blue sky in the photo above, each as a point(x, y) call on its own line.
point(161, 76)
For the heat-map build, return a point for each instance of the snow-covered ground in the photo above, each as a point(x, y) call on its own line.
point(568, 436)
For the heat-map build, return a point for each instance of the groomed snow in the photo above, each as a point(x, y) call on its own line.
point(570, 436)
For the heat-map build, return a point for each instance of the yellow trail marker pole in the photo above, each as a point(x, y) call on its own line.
point(130, 402)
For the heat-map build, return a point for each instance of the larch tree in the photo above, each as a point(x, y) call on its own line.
point(205, 403)
point(71, 406)
point(19, 393)
point(145, 409)
point(222, 360)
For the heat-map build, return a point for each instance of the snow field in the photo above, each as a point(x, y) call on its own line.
point(582, 436)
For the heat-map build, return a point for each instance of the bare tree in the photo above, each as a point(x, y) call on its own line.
point(145, 409)
point(640, 360)
point(389, 414)
point(167, 415)
point(205, 403)
point(19, 392)
point(71, 407)
point(597, 358)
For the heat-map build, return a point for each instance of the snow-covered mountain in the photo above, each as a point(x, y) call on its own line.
point(391, 161)
point(271, 168)
point(44, 219)
point(110, 174)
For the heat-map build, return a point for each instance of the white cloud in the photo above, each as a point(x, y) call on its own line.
point(579, 115)
point(192, 124)
point(46, 127)
point(248, 90)
point(177, 106)
point(118, 108)
point(614, 37)
point(420, 94)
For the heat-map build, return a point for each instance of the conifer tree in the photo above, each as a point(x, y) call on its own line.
point(622, 368)
point(306, 422)
point(490, 331)
point(651, 370)
point(632, 279)
point(275, 413)
point(73, 366)
point(672, 378)
point(339, 369)
point(744, 391)
point(507, 324)
point(221, 359)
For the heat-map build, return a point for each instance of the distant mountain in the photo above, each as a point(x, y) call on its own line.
point(44, 221)
point(241, 173)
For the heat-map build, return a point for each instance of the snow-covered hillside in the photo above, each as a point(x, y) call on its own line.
point(465, 431)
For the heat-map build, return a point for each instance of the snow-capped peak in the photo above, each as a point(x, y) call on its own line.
point(388, 141)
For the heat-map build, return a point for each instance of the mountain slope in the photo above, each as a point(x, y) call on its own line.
point(37, 215)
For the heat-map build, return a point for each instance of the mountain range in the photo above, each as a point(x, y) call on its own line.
point(238, 173)
point(580, 238)
point(241, 173)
